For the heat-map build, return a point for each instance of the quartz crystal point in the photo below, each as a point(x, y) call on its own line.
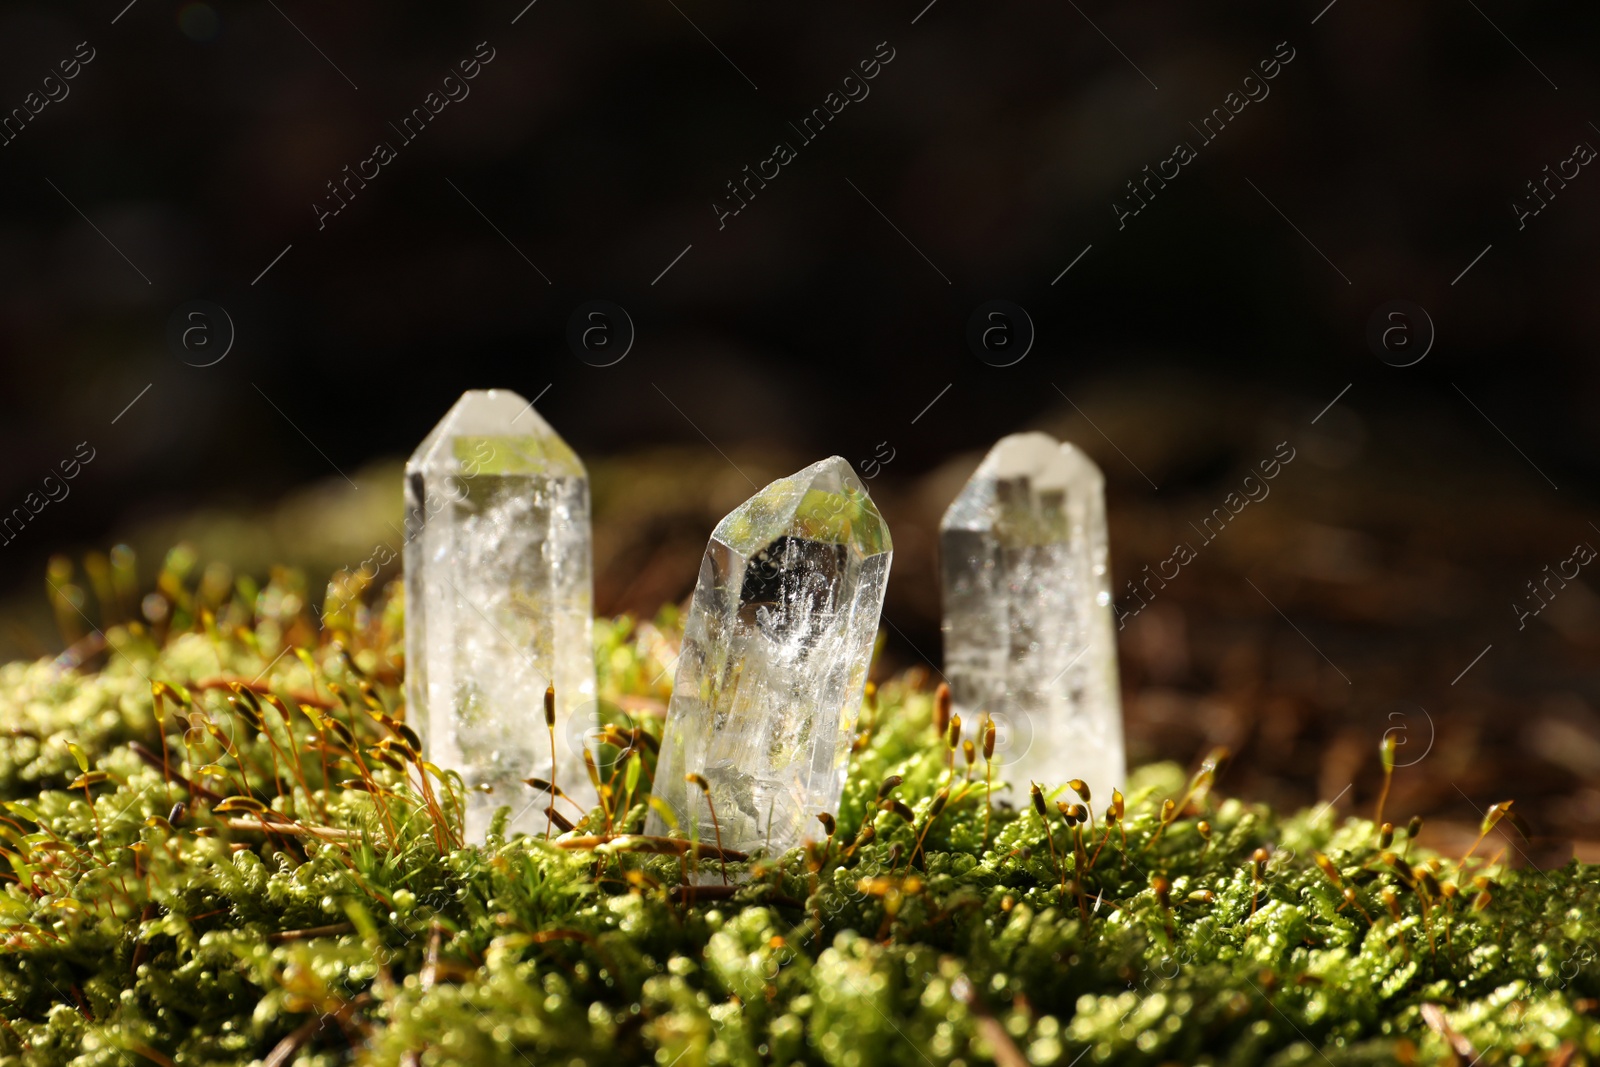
point(1028, 634)
point(774, 659)
point(499, 588)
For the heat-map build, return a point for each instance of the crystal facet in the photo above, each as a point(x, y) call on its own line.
point(499, 592)
point(774, 660)
point(1028, 634)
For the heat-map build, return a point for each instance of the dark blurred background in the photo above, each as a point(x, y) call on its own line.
point(987, 159)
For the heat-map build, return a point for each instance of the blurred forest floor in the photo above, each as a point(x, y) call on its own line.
point(1348, 602)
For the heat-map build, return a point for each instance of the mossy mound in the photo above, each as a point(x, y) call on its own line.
point(287, 892)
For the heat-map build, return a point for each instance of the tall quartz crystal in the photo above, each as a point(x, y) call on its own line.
point(1028, 634)
point(499, 593)
point(774, 660)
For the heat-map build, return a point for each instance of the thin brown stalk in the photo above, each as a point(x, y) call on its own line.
point(934, 809)
point(1044, 822)
point(705, 787)
point(988, 774)
point(550, 725)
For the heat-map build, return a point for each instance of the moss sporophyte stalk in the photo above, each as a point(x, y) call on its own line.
point(221, 846)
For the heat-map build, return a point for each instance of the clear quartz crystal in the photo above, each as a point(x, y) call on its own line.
point(1028, 635)
point(774, 659)
point(499, 593)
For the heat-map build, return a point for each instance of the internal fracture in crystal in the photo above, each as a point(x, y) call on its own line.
point(774, 660)
point(499, 593)
point(1028, 635)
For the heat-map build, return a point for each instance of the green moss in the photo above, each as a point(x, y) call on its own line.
point(128, 940)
